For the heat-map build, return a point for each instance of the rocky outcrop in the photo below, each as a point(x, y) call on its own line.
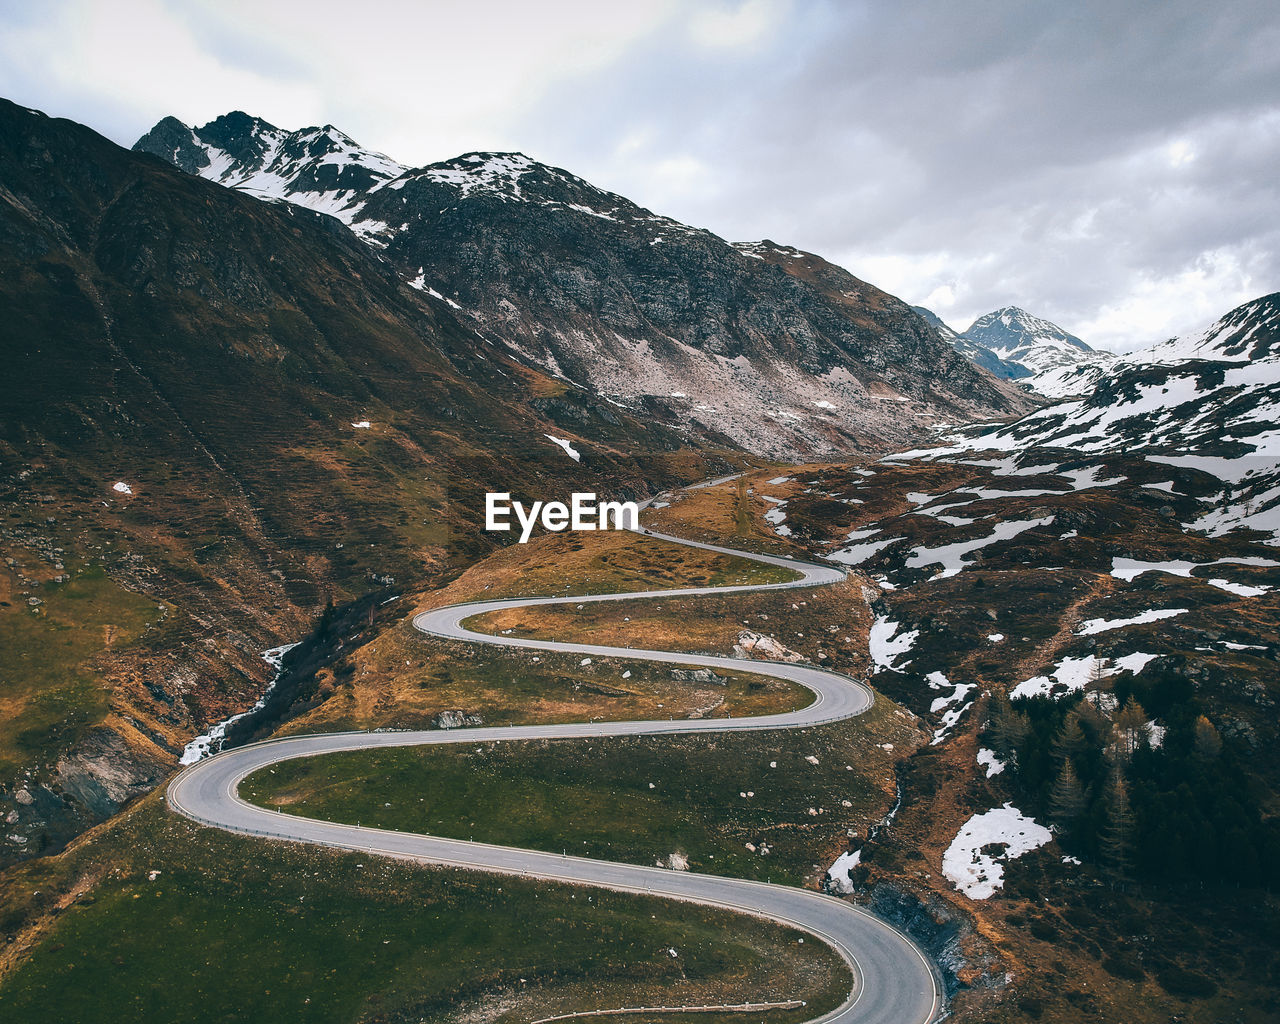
point(455, 720)
point(103, 773)
point(948, 936)
point(757, 645)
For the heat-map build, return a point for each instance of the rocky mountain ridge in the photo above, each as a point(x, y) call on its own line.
point(776, 350)
point(1210, 402)
point(1012, 343)
point(230, 414)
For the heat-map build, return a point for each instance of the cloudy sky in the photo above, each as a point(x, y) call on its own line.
point(1112, 166)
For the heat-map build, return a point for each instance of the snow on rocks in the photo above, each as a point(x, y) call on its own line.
point(569, 449)
point(1075, 673)
point(977, 873)
point(1129, 569)
point(987, 759)
point(838, 874)
point(1092, 626)
point(887, 645)
point(1239, 589)
point(1134, 662)
point(954, 702)
point(856, 554)
point(951, 556)
point(776, 516)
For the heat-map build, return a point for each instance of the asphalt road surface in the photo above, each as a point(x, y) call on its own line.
point(893, 982)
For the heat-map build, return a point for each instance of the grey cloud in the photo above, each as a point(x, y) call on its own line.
point(983, 153)
point(924, 129)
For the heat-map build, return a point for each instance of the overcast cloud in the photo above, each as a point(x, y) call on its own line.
point(1110, 166)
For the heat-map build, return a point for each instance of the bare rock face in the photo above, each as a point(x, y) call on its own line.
point(757, 645)
point(965, 959)
point(455, 720)
point(103, 773)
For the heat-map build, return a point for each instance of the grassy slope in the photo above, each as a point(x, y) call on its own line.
point(50, 657)
point(239, 929)
point(401, 678)
point(596, 797)
point(217, 906)
point(636, 800)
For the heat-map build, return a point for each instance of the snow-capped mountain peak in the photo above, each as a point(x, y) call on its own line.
point(1211, 403)
point(1012, 343)
point(321, 168)
point(1015, 336)
point(783, 351)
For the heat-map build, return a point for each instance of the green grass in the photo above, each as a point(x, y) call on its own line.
point(50, 688)
point(236, 929)
point(634, 799)
point(619, 563)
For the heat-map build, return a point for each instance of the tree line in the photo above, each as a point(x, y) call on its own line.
point(1173, 801)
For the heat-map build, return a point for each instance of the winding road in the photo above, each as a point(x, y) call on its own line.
point(893, 981)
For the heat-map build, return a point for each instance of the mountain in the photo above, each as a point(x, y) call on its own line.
point(1015, 336)
point(776, 350)
point(1210, 403)
point(972, 351)
point(224, 415)
point(1243, 335)
point(1012, 343)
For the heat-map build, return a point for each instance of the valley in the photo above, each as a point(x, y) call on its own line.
point(949, 658)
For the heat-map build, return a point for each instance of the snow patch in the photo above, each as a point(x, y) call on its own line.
point(1093, 626)
point(838, 873)
point(977, 874)
point(886, 645)
point(569, 449)
point(987, 759)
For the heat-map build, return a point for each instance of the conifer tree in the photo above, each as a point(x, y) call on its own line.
point(1066, 800)
point(1070, 741)
point(1116, 838)
point(1208, 744)
point(1009, 728)
point(1131, 729)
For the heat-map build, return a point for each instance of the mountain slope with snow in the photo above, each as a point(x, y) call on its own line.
point(1243, 335)
point(1012, 343)
point(1210, 403)
point(1014, 335)
point(972, 351)
point(757, 344)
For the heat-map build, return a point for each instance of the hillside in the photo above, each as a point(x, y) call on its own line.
point(230, 414)
point(1209, 404)
point(777, 350)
